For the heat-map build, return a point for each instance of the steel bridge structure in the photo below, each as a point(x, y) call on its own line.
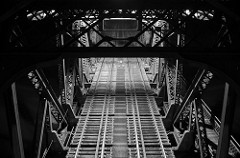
point(91, 78)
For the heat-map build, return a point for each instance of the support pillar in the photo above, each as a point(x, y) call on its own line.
point(160, 71)
point(229, 101)
point(80, 71)
point(11, 103)
point(175, 82)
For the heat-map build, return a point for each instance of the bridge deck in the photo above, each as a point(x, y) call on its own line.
point(120, 118)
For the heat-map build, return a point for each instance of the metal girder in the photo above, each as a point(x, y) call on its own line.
point(171, 84)
point(234, 147)
point(180, 83)
point(133, 4)
point(202, 55)
point(176, 79)
point(79, 72)
point(21, 56)
point(189, 93)
point(229, 103)
point(61, 78)
point(69, 91)
point(161, 72)
point(176, 25)
point(43, 119)
point(201, 129)
point(199, 84)
point(11, 103)
point(43, 85)
point(60, 21)
point(195, 90)
point(69, 80)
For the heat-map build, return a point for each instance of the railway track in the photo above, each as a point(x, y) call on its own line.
point(120, 118)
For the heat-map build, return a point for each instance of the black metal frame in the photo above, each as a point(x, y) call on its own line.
point(62, 19)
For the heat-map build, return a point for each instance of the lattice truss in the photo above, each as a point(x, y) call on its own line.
point(175, 82)
point(120, 28)
point(197, 117)
point(89, 67)
point(151, 66)
point(55, 113)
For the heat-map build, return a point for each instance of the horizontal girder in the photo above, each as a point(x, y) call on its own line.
point(115, 4)
point(81, 52)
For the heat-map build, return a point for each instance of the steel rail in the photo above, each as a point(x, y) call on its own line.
point(106, 117)
point(139, 121)
point(133, 111)
point(102, 117)
point(87, 116)
point(84, 127)
point(154, 119)
point(140, 128)
point(100, 129)
point(105, 129)
point(158, 132)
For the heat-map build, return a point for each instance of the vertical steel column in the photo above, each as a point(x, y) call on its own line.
point(201, 129)
point(159, 72)
point(42, 130)
point(61, 36)
point(18, 125)
point(105, 127)
point(175, 81)
point(226, 122)
point(69, 80)
point(11, 104)
point(64, 79)
point(179, 37)
point(135, 127)
point(62, 83)
point(80, 71)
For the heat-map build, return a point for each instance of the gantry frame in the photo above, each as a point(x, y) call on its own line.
point(225, 47)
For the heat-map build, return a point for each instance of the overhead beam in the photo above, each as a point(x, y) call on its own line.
point(116, 4)
point(20, 57)
point(198, 54)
